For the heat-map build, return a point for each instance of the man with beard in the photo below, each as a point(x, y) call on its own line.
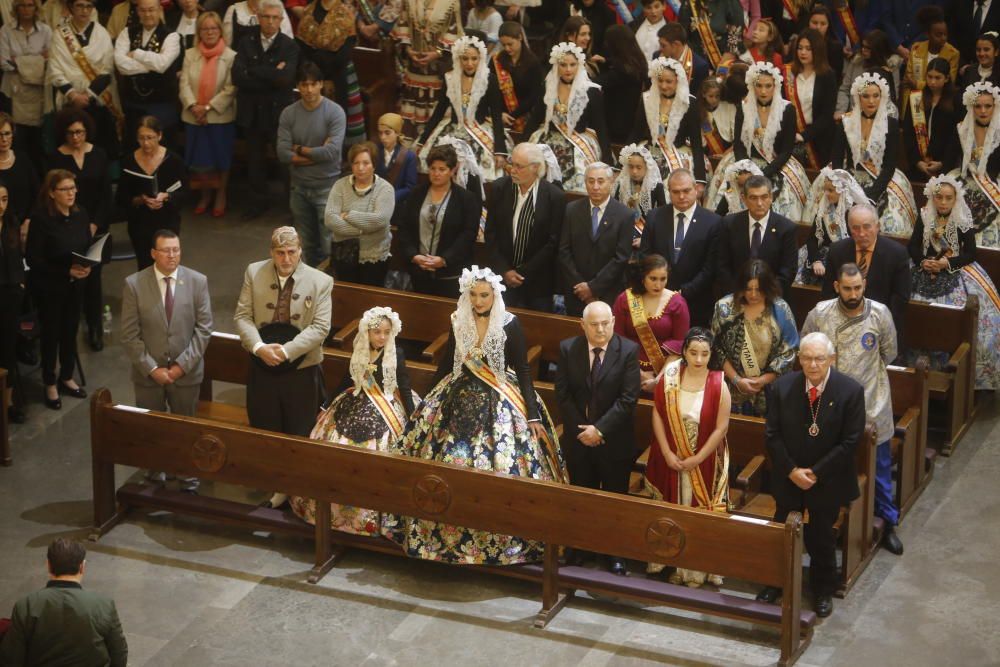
point(864, 335)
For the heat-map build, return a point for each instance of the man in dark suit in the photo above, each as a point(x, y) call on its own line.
point(757, 233)
point(884, 264)
point(969, 19)
point(597, 386)
point(595, 243)
point(264, 75)
point(685, 234)
point(525, 214)
point(815, 419)
point(674, 44)
point(62, 624)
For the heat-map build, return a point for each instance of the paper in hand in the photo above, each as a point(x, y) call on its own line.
point(94, 252)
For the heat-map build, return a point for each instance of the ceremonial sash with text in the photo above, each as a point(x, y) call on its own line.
point(984, 283)
point(920, 123)
point(479, 133)
point(707, 36)
point(88, 71)
point(713, 140)
point(847, 20)
point(646, 338)
point(748, 357)
point(792, 94)
point(673, 156)
point(989, 188)
point(790, 11)
point(894, 190)
point(790, 177)
point(687, 62)
point(506, 83)
point(382, 404)
point(574, 138)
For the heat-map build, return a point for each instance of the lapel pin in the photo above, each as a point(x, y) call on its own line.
point(773, 230)
point(309, 302)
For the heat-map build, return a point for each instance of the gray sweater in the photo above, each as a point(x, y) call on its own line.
point(367, 217)
point(322, 131)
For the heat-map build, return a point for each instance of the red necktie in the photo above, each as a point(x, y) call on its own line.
point(813, 394)
point(168, 300)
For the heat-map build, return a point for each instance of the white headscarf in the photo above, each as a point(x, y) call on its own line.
point(731, 189)
point(360, 356)
point(960, 218)
point(652, 178)
point(577, 102)
point(480, 80)
point(851, 193)
point(966, 129)
point(750, 115)
point(463, 323)
point(651, 99)
point(880, 126)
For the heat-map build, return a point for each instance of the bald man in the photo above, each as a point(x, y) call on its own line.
point(597, 387)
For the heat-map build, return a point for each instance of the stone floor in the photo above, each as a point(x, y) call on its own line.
point(196, 593)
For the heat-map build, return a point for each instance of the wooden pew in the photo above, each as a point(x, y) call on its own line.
point(954, 331)
point(766, 553)
point(914, 459)
point(376, 70)
point(5, 457)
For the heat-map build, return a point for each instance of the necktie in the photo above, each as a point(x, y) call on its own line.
point(595, 370)
point(863, 263)
point(755, 241)
point(977, 17)
point(595, 220)
point(523, 229)
point(168, 300)
point(678, 235)
point(813, 394)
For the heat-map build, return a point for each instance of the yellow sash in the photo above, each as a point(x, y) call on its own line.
point(790, 10)
point(88, 71)
point(382, 404)
point(989, 188)
point(920, 123)
point(574, 138)
point(847, 19)
point(984, 283)
point(646, 338)
point(713, 140)
point(673, 156)
point(894, 190)
point(792, 93)
point(687, 62)
point(790, 177)
point(506, 84)
point(751, 367)
point(482, 137)
point(708, 42)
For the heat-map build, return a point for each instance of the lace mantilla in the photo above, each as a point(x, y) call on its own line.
point(731, 189)
point(360, 356)
point(875, 149)
point(626, 191)
point(578, 99)
point(851, 193)
point(480, 80)
point(959, 218)
point(967, 128)
point(651, 99)
point(751, 117)
point(463, 322)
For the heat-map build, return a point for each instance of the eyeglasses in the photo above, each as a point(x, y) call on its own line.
point(169, 252)
point(813, 360)
point(71, 188)
point(74, 133)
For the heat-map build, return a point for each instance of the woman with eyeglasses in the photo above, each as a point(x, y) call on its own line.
point(91, 168)
point(58, 229)
point(17, 171)
point(24, 50)
point(151, 189)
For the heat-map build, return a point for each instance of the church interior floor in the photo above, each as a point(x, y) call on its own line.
point(197, 593)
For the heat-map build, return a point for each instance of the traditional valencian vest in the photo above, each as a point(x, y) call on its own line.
point(151, 87)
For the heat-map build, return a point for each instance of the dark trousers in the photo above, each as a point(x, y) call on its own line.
point(257, 141)
point(426, 283)
point(369, 273)
point(820, 543)
point(93, 298)
point(59, 319)
point(592, 468)
point(284, 402)
point(518, 297)
point(10, 308)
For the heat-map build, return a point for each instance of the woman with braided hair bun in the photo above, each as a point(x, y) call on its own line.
point(369, 411)
point(482, 413)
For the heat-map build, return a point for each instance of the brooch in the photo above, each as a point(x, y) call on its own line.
point(309, 302)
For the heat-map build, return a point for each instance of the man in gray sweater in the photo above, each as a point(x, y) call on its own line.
point(310, 137)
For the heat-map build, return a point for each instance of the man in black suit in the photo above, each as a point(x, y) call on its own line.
point(757, 233)
point(597, 386)
point(969, 19)
point(264, 75)
point(673, 39)
point(523, 220)
point(595, 243)
point(884, 264)
point(685, 234)
point(815, 419)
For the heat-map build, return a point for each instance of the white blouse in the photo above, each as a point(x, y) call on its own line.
point(804, 87)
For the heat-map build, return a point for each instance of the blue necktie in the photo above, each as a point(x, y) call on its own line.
point(678, 235)
point(755, 241)
point(595, 221)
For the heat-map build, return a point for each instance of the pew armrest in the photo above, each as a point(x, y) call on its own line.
point(906, 422)
point(749, 479)
point(534, 354)
point(432, 353)
point(345, 334)
point(959, 357)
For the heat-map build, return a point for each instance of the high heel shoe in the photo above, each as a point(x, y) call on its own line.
point(200, 209)
point(51, 403)
point(79, 392)
point(219, 212)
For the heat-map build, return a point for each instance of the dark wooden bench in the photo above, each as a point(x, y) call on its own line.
point(624, 526)
point(914, 459)
point(5, 457)
point(935, 327)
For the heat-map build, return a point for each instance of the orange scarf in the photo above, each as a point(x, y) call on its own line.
point(209, 70)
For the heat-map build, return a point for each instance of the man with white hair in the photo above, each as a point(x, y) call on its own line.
point(525, 214)
point(815, 420)
point(865, 339)
point(884, 264)
point(595, 243)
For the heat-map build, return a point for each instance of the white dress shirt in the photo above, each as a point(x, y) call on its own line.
point(688, 217)
point(601, 207)
point(763, 227)
point(804, 88)
point(649, 42)
point(590, 351)
point(519, 200)
point(819, 387)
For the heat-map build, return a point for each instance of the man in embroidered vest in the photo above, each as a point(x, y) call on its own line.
point(597, 386)
point(146, 56)
point(864, 336)
point(282, 318)
point(815, 420)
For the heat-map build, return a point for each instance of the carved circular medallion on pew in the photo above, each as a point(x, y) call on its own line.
point(208, 453)
point(665, 538)
point(432, 494)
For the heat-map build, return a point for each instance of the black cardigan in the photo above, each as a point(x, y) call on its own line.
point(515, 351)
point(784, 141)
point(52, 240)
point(944, 143)
point(689, 133)
point(490, 106)
point(168, 174)
point(93, 182)
point(626, 91)
point(459, 226)
point(592, 118)
point(841, 157)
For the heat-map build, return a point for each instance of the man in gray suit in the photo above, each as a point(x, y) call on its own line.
point(166, 326)
point(286, 302)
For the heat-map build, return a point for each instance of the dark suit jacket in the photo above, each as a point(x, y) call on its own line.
point(599, 262)
point(592, 118)
point(962, 31)
point(617, 393)
point(689, 133)
point(824, 103)
point(777, 247)
point(944, 143)
point(784, 142)
point(543, 242)
point(263, 90)
point(64, 624)
point(830, 455)
point(694, 271)
point(459, 226)
point(888, 280)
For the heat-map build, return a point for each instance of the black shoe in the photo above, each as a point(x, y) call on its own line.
point(823, 605)
point(96, 340)
point(770, 594)
point(16, 415)
point(51, 403)
point(617, 566)
point(891, 541)
point(69, 391)
point(575, 557)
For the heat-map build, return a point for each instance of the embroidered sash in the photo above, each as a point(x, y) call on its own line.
point(713, 140)
point(989, 188)
point(894, 189)
point(748, 357)
point(791, 178)
point(687, 62)
point(574, 138)
point(790, 11)
point(506, 83)
point(675, 160)
point(920, 123)
point(646, 338)
point(708, 42)
point(88, 71)
point(846, 17)
point(984, 283)
point(792, 94)
point(382, 404)
point(479, 133)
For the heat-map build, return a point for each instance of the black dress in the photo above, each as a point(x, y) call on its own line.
point(943, 146)
point(528, 79)
point(11, 296)
point(143, 221)
point(22, 186)
point(625, 92)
